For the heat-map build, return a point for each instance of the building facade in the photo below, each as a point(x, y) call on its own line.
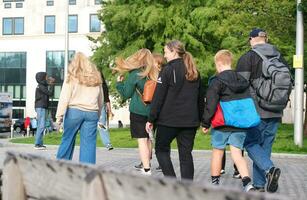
point(33, 39)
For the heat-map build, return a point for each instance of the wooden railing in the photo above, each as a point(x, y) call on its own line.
point(31, 177)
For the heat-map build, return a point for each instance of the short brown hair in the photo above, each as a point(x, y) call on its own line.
point(224, 56)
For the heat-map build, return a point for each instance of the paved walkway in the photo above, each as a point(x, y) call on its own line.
point(293, 181)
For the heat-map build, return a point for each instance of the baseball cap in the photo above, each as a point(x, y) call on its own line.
point(257, 32)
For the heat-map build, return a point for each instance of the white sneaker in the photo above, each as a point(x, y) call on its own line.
point(148, 173)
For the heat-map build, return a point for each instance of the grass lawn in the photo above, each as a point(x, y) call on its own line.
point(121, 138)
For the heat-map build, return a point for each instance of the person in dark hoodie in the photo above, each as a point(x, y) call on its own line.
point(226, 85)
point(43, 91)
point(260, 139)
point(175, 109)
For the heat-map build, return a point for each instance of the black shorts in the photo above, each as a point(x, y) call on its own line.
point(137, 126)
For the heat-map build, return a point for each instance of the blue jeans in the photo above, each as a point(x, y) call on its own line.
point(86, 122)
point(41, 119)
point(258, 144)
point(104, 132)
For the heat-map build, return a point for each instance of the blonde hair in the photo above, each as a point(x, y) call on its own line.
point(141, 59)
point(191, 70)
point(223, 56)
point(82, 70)
point(159, 60)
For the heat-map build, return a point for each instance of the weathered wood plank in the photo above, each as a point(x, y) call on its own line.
point(13, 187)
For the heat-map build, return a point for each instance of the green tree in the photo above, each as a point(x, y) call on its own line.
point(205, 26)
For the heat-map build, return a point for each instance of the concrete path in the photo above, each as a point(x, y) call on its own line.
point(293, 181)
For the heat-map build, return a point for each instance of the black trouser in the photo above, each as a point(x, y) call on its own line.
point(185, 142)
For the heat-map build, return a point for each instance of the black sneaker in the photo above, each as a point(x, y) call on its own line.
point(236, 175)
point(40, 147)
point(139, 166)
point(272, 179)
point(159, 169)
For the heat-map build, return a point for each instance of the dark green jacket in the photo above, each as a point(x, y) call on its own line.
point(127, 90)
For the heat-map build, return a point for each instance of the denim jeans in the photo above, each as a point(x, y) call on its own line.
point(258, 144)
point(104, 132)
point(86, 122)
point(41, 119)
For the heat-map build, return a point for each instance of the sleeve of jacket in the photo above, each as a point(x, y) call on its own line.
point(244, 66)
point(211, 101)
point(127, 87)
point(45, 90)
point(201, 98)
point(159, 95)
point(64, 100)
point(105, 89)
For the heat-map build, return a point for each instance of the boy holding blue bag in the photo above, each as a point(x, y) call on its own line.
point(230, 111)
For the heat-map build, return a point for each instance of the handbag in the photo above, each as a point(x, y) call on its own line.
point(148, 91)
point(239, 113)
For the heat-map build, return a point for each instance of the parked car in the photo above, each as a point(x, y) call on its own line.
point(19, 126)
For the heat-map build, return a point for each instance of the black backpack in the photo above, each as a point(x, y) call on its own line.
point(274, 86)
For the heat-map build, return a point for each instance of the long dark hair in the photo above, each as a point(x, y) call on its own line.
point(191, 70)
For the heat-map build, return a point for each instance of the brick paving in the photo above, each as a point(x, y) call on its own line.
point(293, 181)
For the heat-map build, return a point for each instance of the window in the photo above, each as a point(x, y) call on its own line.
point(50, 24)
point(7, 5)
point(13, 26)
point(94, 23)
point(73, 23)
point(18, 26)
point(55, 64)
point(50, 3)
point(7, 26)
point(19, 5)
point(98, 2)
point(72, 2)
point(12, 73)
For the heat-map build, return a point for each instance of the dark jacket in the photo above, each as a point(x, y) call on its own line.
point(176, 101)
point(227, 85)
point(105, 89)
point(250, 67)
point(42, 92)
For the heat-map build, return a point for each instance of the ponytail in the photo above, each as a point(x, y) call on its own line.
point(191, 71)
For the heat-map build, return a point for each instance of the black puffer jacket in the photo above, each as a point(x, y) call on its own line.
point(42, 92)
point(227, 85)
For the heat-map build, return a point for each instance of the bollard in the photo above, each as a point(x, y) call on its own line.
point(28, 131)
point(12, 130)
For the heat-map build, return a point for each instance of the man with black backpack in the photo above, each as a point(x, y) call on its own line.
point(270, 86)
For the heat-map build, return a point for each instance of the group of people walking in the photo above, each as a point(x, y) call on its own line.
point(178, 107)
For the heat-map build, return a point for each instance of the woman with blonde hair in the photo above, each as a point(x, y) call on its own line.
point(175, 109)
point(79, 108)
point(141, 67)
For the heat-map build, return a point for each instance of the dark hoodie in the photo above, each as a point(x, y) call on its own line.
point(250, 67)
point(42, 92)
point(227, 85)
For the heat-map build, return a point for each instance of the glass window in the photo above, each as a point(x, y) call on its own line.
point(7, 5)
point(24, 92)
point(57, 91)
point(73, 23)
point(18, 113)
point(18, 26)
point(72, 2)
point(50, 3)
point(94, 23)
point(97, 2)
point(50, 24)
point(17, 93)
point(19, 5)
point(7, 26)
point(55, 64)
point(10, 89)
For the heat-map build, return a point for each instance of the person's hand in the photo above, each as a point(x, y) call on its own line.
point(51, 80)
point(120, 78)
point(59, 124)
point(205, 130)
point(149, 127)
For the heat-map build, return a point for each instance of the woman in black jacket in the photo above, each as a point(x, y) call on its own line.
point(175, 109)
